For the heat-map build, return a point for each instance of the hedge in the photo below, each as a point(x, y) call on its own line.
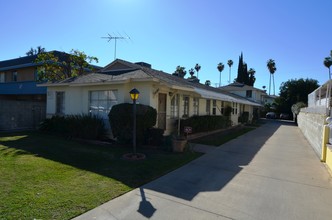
point(205, 123)
point(121, 120)
point(78, 126)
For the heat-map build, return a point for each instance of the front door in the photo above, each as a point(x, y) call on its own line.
point(162, 111)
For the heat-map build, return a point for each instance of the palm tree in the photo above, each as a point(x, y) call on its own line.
point(220, 68)
point(197, 68)
point(37, 51)
point(271, 65)
point(230, 64)
point(328, 63)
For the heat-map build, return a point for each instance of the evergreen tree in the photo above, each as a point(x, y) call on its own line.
point(240, 70)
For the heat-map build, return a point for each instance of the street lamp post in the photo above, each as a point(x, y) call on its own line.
point(134, 93)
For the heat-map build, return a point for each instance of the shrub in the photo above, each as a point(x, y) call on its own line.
point(205, 123)
point(244, 117)
point(121, 120)
point(78, 126)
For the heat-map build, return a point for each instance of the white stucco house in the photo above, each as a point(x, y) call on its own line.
point(173, 97)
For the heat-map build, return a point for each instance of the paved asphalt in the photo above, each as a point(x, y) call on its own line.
point(269, 173)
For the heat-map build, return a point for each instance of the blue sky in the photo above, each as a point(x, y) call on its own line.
point(168, 33)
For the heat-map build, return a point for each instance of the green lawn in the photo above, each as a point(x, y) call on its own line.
point(48, 177)
point(222, 137)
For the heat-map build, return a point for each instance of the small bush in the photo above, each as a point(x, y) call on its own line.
point(78, 126)
point(121, 120)
point(154, 136)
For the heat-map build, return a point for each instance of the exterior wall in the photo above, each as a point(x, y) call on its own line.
point(311, 125)
point(21, 114)
point(24, 74)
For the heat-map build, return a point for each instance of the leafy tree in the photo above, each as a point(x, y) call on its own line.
point(191, 72)
point(36, 51)
point(294, 91)
point(197, 68)
point(271, 65)
point(230, 64)
point(180, 71)
point(328, 62)
point(220, 68)
point(208, 83)
point(252, 77)
point(59, 65)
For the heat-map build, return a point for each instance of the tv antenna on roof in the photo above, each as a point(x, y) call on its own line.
point(115, 38)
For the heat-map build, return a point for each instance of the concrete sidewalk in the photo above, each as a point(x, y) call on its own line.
point(269, 173)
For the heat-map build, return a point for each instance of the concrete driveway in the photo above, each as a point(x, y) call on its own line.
point(269, 173)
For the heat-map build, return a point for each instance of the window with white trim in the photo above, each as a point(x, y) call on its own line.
point(175, 106)
point(60, 103)
point(208, 106)
point(185, 107)
point(234, 109)
point(196, 106)
point(222, 110)
point(214, 107)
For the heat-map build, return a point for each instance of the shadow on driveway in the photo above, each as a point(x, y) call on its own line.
point(216, 169)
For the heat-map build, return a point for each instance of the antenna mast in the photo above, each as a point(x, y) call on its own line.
point(115, 38)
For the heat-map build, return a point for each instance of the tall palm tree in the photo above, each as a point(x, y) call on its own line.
point(220, 68)
point(328, 63)
point(197, 68)
point(271, 65)
point(230, 64)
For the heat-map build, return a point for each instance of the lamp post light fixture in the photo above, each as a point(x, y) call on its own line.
point(134, 93)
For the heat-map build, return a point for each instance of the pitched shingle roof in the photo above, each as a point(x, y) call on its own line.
point(134, 72)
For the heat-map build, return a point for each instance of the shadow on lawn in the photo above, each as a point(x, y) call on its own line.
point(210, 172)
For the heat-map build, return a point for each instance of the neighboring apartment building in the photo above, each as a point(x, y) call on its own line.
point(22, 103)
point(249, 92)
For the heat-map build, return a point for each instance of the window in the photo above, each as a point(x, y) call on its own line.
point(222, 110)
point(175, 106)
point(196, 106)
point(234, 109)
point(60, 103)
point(249, 93)
point(2, 77)
point(214, 107)
point(14, 76)
point(185, 106)
point(208, 106)
point(101, 102)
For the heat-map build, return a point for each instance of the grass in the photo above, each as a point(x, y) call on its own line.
point(47, 177)
point(222, 137)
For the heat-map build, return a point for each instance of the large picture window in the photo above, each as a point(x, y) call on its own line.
point(101, 102)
